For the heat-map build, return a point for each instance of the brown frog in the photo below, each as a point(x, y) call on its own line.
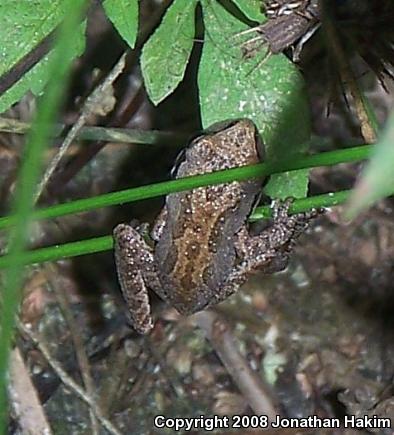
point(203, 251)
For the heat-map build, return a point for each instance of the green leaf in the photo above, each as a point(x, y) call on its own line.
point(252, 9)
point(377, 180)
point(23, 25)
point(269, 93)
point(124, 16)
point(166, 54)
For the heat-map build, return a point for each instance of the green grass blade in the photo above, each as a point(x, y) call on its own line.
point(60, 252)
point(29, 173)
point(105, 243)
point(377, 180)
point(153, 190)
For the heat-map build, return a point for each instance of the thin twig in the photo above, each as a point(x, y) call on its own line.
point(93, 133)
point(67, 381)
point(76, 337)
point(256, 392)
point(125, 108)
point(347, 76)
point(24, 399)
point(89, 108)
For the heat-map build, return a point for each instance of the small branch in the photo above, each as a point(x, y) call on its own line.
point(67, 381)
point(346, 75)
point(251, 385)
point(126, 105)
point(90, 106)
point(24, 399)
point(91, 133)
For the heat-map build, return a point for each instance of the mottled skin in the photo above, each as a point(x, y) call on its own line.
point(203, 251)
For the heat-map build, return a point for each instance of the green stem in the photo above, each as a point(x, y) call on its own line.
point(105, 243)
point(304, 204)
point(119, 135)
point(138, 193)
point(59, 252)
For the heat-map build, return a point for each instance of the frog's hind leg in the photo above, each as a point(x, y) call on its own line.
point(135, 268)
point(268, 251)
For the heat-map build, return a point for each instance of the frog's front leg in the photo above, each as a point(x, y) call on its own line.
point(268, 251)
point(136, 270)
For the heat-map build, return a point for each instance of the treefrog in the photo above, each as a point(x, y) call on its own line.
point(202, 251)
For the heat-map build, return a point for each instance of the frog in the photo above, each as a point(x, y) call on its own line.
point(201, 249)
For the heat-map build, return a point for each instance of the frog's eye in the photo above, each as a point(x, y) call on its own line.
point(179, 159)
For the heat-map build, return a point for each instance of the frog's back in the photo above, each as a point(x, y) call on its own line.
point(196, 251)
